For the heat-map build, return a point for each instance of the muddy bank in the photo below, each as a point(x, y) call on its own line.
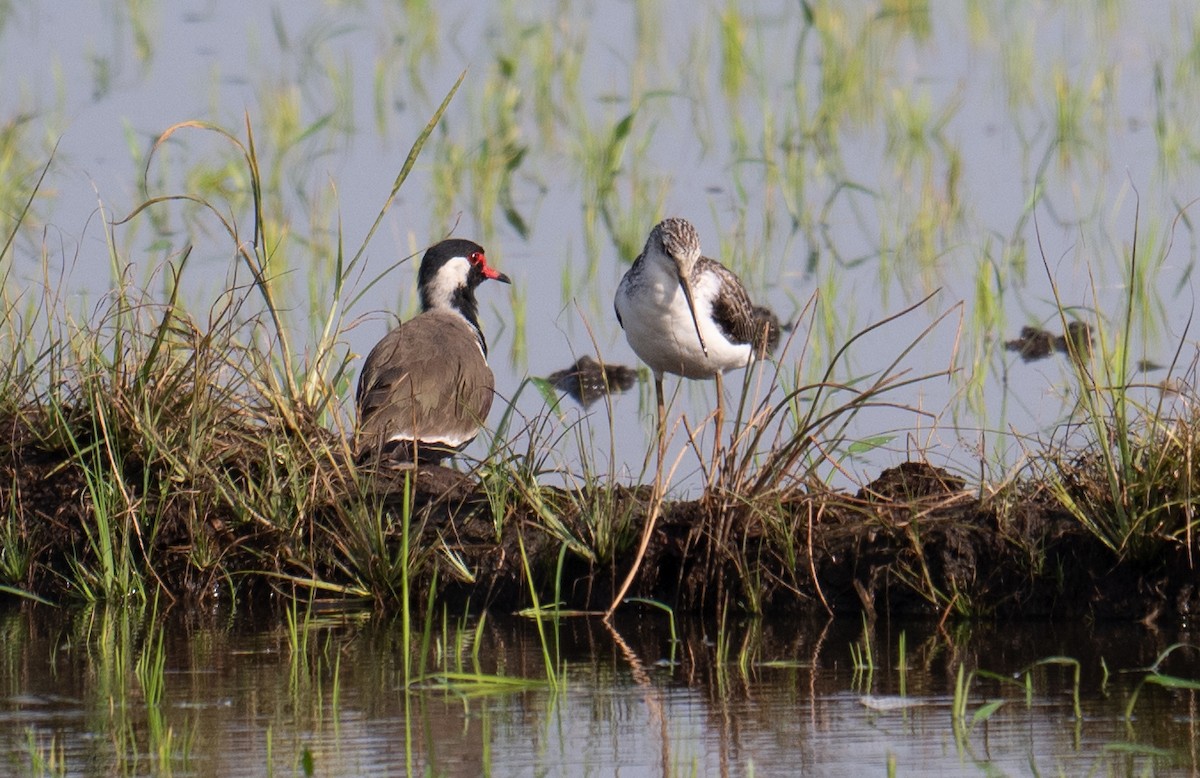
point(917, 540)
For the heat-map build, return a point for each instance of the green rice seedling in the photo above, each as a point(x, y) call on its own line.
point(306, 762)
point(733, 59)
point(675, 641)
point(555, 69)
point(405, 55)
point(750, 650)
point(862, 657)
point(297, 632)
point(553, 672)
point(1170, 134)
point(472, 685)
point(1066, 661)
point(609, 158)
point(164, 746)
point(958, 708)
point(474, 682)
point(501, 151)
point(423, 654)
point(1071, 106)
point(45, 759)
point(854, 52)
point(519, 354)
point(447, 180)
point(1155, 677)
point(722, 651)
point(909, 17)
point(150, 668)
point(477, 640)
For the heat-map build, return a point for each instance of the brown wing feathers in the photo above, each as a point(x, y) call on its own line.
point(410, 391)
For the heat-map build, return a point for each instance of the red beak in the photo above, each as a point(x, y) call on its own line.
point(493, 273)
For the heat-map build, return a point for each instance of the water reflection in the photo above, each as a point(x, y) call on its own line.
point(772, 696)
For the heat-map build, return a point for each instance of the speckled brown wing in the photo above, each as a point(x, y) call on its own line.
point(732, 310)
point(426, 381)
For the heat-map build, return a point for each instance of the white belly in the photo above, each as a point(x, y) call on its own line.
point(659, 327)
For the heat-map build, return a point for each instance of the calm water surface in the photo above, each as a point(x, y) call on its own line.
point(780, 698)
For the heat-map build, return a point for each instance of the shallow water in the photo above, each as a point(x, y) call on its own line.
point(242, 697)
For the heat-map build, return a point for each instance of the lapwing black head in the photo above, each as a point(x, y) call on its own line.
point(426, 388)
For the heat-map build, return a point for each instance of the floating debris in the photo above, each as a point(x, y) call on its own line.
point(587, 380)
point(1035, 343)
point(1080, 335)
point(890, 703)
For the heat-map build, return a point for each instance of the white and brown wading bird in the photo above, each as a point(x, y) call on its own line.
point(426, 388)
point(689, 315)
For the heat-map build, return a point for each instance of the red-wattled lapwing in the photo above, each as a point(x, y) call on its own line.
point(689, 315)
point(686, 314)
point(426, 388)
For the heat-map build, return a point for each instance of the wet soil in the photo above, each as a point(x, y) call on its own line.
point(916, 540)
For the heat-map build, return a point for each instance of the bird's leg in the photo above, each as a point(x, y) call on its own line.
point(720, 423)
point(656, 498)
point(662, 431)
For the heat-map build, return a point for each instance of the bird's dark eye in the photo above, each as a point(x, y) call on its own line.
point(477, 258)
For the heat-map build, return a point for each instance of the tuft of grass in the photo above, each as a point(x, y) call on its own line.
point(205, 448)
point(777, 449)
point(1132, 483)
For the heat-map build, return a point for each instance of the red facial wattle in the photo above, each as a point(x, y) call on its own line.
point(479, 259)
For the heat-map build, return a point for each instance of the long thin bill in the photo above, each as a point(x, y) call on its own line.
point(687, 293)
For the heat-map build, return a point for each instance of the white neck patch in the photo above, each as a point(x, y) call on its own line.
point(450, 277)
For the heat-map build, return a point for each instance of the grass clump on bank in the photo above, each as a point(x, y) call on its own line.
point(149, 450)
